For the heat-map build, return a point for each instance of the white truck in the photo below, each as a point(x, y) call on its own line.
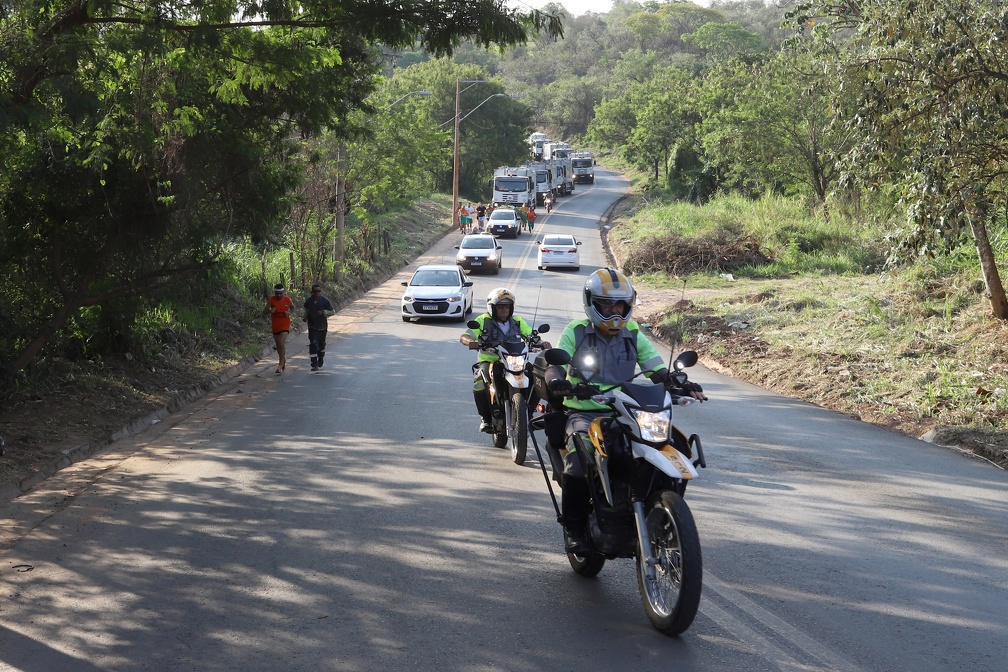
point(536, 141)
point(514, 185)
point(560, 154)
point(546, 181)
point(583, 165)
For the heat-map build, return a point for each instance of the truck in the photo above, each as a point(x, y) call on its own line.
point(514, 185)
point(583, 165)
point(536, 141)
point(546, 181)
point(559, 153)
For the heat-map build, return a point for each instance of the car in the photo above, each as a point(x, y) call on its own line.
point(504, 222)
point(559, 250)
point(438, 290)
point(480, 252)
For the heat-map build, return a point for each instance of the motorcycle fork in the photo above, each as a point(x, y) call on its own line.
point(648, 558)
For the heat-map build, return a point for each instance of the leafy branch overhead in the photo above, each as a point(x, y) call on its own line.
point(139, 138)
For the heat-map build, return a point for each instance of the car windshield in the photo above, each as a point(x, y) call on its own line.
point(558, 240)
point(432, 278)
point(478, 243)
point(502, 214)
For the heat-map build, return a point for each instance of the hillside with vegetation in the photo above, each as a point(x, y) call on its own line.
point(839, 161)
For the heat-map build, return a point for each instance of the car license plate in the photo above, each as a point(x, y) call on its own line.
point(476, 263)
point(431, 307)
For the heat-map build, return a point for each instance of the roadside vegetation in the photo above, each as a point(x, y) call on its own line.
point(809, 308)
point(825, 187)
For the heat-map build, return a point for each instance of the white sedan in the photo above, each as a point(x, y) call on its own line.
point(438, 291)
point(559, 250)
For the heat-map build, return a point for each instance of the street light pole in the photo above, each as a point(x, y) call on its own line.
point(455, 159)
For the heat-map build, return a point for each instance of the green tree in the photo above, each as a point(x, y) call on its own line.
point(138, 138)
point(931, 115)
point(769, 125)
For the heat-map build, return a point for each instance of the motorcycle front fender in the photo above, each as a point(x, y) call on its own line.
point(516, 382)
point(668, 460)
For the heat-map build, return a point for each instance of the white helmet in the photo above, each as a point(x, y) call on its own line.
point(501, 296)
point(608, 286)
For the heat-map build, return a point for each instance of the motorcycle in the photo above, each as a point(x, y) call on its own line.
point(637, 465)
point(510, 387)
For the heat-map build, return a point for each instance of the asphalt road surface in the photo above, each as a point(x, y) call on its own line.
point(354, 519)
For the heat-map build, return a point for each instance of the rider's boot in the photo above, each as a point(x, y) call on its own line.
point(575, 504)
point(483, 408)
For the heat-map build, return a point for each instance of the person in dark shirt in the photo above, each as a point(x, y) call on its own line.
point(317, 311)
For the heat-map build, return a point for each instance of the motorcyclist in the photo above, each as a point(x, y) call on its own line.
point(494, 325)
point(605, 350)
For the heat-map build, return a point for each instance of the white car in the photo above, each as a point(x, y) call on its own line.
point(504, 221)
point(559, 250)
point(480, 252)
point(441, 291)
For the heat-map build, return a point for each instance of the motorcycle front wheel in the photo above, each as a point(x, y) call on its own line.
point(519, 427)
point(672, 597)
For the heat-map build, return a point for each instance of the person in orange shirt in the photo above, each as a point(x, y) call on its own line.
point(280, 306)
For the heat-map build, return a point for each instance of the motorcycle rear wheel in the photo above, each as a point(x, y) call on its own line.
point(672, 598)
point(519, 427)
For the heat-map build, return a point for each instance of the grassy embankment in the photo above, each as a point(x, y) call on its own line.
point(808, 308)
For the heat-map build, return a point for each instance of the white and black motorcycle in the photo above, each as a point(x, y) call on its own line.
point(637, 466)
point(510, 387)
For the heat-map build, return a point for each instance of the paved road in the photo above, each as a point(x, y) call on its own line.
point(353, 519)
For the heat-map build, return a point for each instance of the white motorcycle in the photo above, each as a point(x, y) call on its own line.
point(510, 387)
point(637, 466)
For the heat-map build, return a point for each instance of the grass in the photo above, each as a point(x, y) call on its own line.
point(820, 317)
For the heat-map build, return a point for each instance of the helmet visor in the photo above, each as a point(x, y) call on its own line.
point(611, 307)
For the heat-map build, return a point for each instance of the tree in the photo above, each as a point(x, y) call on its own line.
point(931, 114)
point(770, 125)
point(139, 137)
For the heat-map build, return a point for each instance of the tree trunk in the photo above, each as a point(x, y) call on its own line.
point(988, 266)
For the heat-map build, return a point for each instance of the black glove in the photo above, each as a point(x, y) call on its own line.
point(560, 386)
point(689, 387)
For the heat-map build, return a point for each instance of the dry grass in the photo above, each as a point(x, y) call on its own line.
point(915, 350)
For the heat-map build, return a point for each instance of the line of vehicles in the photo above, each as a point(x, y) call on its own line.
point(554, 169)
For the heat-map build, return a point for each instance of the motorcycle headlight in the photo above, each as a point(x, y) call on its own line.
point(514, 362)
point(653, 426)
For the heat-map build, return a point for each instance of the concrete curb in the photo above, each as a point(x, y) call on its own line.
point(14, 488)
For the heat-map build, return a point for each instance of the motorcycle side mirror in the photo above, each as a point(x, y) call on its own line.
point(543, 328)
point(472, 324)
point(558, 357)
point(685, 360)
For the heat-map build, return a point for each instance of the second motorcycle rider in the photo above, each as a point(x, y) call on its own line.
point(495, 325)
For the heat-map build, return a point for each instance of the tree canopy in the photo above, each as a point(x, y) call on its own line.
point(139, 137)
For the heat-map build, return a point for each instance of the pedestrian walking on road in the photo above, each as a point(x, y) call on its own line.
point(317, 309)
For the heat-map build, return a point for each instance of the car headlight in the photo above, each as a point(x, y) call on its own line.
point(455, 298)
point(408, 299)
point(653, 426)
